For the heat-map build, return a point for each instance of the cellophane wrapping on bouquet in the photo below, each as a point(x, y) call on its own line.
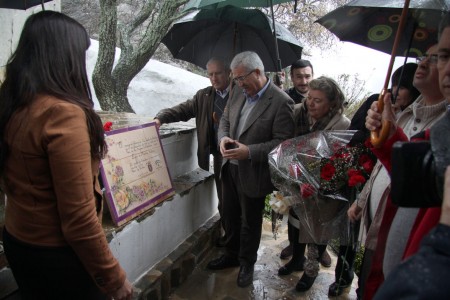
point(321, 174)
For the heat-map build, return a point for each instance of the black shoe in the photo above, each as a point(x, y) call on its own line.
point(245, 276)
point(286, 252)
point(337, 289)
point(325, 259)
point(305, 283)
point(291, 266)
point(223, 262)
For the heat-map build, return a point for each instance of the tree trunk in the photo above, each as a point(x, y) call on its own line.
point(111, 84)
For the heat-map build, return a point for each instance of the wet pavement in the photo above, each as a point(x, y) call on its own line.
point(204, 284)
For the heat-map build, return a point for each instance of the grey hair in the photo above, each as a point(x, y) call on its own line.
point(223, 62)
point(332, 91)
point(249, 60)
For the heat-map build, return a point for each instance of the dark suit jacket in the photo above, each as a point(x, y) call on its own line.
point(200, 107)
point(270, 122)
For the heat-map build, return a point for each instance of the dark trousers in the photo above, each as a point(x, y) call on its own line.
point(217, 164)
point(293, 236)
point(242, 216)
point(312, 261)
point(344, 271)
point(49, 273)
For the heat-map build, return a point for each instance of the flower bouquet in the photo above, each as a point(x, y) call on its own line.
point(280, 203)
point(321, 173)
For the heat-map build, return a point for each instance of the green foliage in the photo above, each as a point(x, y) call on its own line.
point(267, 213)
point(359, 260)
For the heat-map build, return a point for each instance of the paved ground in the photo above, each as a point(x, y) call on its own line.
point(204, 284)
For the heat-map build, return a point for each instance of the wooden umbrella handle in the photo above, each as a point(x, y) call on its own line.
point(378, 137)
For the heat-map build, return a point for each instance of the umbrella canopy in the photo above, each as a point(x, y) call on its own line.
point(214, 4)
point(227, 31)
point(196, 4)
point(373, 24)
point(21, 4)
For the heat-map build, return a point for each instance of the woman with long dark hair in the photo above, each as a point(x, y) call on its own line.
point(51, 144)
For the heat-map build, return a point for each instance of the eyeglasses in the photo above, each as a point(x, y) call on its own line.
point(430, 58)
point(240, 79)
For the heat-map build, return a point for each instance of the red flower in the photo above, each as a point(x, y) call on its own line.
point(355, 180)
point(294, 170)
point(353, 172)
point(327, 172)
point(366, 163)
point(307, 190)
point(107, 126)
point(336, 156)
point(336, 147)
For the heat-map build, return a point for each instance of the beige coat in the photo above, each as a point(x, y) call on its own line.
point(338, 122)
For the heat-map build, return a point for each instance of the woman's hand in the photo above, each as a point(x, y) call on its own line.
point(354, 213)
point(374, 117)
point(125, 292)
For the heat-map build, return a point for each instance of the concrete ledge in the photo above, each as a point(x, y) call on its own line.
point(182, 184)
point(176, 268)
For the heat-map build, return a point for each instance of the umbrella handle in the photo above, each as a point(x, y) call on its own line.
point(379, 136)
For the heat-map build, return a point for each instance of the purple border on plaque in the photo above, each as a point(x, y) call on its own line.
point(109, 197)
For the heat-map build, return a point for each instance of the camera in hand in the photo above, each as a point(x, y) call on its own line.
point(418, 168)
point(229, 146)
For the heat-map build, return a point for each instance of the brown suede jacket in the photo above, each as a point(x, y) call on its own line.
point(51, 183)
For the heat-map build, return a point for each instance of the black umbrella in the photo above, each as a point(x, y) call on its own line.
point(226, 31)
point(21, 4)
point(373, 24)
point(214, 4)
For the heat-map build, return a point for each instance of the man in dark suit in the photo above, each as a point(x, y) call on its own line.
point(258, 117)
point(206, 107)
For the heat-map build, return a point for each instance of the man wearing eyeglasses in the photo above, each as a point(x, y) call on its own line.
point(206, 107)
point(428, 108)
point(258, 117)
point(433, 227)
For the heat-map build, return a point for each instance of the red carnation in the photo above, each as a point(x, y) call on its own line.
point(294, 170)
point(366, 162)
point(107, 126)
point(307, 190)
point(353, 172)
point(327, 172)
point(336, 156)
point(355, 180)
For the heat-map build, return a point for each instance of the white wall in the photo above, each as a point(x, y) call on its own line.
point(141, 245)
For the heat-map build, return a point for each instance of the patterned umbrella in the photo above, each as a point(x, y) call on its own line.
point(373, 24)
